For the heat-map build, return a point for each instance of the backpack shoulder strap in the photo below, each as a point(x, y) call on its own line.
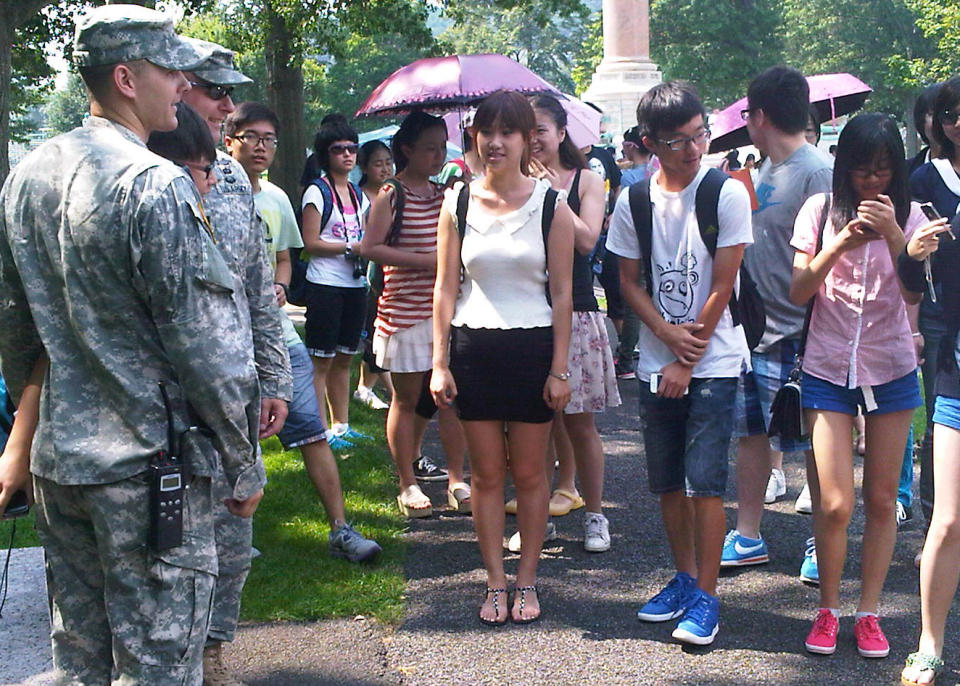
point(463, 203)
point(707, 202)
point(573, 197)
point(546, 217)
point(399, 200)
point(327, 194)
point(642, 213)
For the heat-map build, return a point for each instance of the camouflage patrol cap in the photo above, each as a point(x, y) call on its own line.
point(123, 33)
point(218, 69)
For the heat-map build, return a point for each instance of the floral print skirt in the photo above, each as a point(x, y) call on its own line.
point(593, 380)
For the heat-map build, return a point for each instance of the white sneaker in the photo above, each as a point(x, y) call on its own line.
point(513, 545)
point(596, 533)
point(804, 503)
point(776, 486)
point(369, 398)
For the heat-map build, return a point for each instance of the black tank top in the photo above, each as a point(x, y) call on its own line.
point(583, 297)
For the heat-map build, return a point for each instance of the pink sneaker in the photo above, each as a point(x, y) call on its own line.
point(822, 638)
point(870, 639)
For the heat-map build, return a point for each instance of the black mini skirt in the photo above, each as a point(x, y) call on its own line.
point(500, 373)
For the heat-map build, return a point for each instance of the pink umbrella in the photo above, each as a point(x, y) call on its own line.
point(445, 83)
point(833, 94)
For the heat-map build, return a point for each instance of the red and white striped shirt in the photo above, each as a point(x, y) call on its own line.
point(407, 297)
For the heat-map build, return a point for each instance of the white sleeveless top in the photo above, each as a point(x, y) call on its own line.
point(504, 259)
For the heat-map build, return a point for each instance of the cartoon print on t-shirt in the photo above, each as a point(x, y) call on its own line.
point(675, 292)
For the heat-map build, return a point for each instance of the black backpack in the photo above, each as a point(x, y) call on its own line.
point(297, 294)
point(748, 309)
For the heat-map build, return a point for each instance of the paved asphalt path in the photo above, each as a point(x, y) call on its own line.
point(590, 634)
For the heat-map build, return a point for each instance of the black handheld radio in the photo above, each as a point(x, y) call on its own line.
point(167, 484)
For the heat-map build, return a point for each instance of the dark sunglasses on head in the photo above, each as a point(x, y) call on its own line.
point(340, 148)
point(213, 90)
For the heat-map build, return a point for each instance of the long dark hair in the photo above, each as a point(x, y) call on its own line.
point(570, 155)
point(365, 153)
point(947, 100)
point(866, 140)
point(411, 128)
point(509, 110)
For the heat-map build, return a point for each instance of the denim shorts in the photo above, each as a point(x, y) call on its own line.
point(687, 440)
point(893, 396)
point(757, 389)
point(304, 422)
point(946, 411)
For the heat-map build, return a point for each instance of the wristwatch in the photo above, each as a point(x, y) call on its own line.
point(563, 376)
point(348, 250)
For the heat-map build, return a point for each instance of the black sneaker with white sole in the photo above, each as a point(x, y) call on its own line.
point(425, 469)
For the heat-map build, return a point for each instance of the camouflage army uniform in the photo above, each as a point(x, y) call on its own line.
point(106, 264)
point(240, 232)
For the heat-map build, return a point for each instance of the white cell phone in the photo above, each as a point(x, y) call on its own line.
point(655, 383)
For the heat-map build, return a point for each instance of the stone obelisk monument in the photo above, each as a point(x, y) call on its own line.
point(626, 71)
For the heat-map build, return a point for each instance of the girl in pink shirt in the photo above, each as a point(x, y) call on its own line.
point(859, 353)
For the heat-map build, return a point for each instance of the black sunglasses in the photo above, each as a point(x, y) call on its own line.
point(213, 90)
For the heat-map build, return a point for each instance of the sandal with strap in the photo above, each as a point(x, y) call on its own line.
point(410, 495)
point(563, 501)
point(925, 662)
point(458, 497)
point(496, 607)
point(523, 590)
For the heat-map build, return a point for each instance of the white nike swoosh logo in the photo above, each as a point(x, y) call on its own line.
point(746, 551)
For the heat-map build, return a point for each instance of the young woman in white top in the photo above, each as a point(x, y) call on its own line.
point(336, 289)
point(505, 364)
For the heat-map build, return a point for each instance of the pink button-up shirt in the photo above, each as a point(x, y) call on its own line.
point(859, 332)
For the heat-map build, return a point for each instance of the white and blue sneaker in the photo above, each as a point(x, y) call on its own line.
point(809, 572)
point(700, 622)
point(740, 551)
point(672, 601)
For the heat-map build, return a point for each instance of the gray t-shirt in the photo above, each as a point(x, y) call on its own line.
point(781, 191)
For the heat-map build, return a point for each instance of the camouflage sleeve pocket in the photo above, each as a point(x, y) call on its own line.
point(214, 272)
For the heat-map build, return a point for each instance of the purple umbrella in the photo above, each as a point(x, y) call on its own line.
point(833, 94)
point(445, 83)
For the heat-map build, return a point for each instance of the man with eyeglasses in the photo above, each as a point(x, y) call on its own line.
point(691, 353)
point(240, 233)
point(776, 117)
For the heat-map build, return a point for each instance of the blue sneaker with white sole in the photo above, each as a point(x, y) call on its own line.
point(809, 571)
point(700, 622)
point(672, 601)
point(740, 551)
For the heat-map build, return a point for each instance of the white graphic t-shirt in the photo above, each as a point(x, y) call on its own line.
point(682, 270)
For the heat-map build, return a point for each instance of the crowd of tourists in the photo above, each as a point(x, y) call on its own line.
point(144, 274)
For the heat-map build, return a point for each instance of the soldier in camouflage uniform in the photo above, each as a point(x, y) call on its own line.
point(107, 265)
point(240, 232)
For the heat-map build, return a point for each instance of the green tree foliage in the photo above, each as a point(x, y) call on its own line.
point(588, 57)
point(718, 45)
point(546, 42)
point(939, 22)
point(878, 41)
point(65, 108)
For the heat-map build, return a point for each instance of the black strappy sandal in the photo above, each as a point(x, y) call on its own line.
point(523, 590)
point(496, 608)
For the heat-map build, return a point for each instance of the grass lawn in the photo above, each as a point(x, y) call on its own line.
point(296, 578)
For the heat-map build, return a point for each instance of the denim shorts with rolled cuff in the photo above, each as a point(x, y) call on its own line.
point(946, 411)
point(893, 396)
point(687, 440)
point(758, 388)
point(304, 423)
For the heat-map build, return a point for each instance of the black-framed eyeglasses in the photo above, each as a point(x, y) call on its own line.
point(745, 114)
point(949, 117)
point(254, 139)
point(678, 144)
point(340, 148)
point(878, 172)
point(207, 169)
point(216, 92)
